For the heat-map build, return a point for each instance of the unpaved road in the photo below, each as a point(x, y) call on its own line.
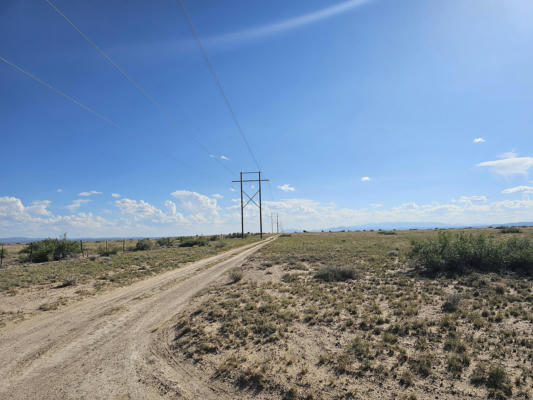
point(114, 345)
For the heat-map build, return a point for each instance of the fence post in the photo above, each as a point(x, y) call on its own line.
point(2, 256)
point(123, 246)
point(81, 247)
point(106, 251)
point(31, 251)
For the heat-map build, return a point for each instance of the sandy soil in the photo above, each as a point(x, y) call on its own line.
point(113, 345)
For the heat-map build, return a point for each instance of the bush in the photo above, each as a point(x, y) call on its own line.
point(333, 273)
point(451, 304)
point(194, 242)
point(110, 250)
point(164, 242)
point(143, 244)
point(50, 250)
point(386, 232)
point(235, 274)
point(465, 253)
point(509, 229)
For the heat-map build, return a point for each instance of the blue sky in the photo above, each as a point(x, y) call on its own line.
point(358, 111)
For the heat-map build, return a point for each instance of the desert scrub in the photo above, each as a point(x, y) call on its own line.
point(143, 244)
point(333, 273)
point(464, 253)
point(50, 250)
point(236, 274)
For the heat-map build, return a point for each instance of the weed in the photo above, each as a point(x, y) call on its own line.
point(333, 273)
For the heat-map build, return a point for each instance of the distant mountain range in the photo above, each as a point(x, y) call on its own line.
point(383, 225)
point(408, 225)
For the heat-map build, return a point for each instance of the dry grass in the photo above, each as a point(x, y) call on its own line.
point(385, 332)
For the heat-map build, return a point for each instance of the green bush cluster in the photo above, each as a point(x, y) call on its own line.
point(463, 253)
point(143, 244)
point(50, 250)
point(199, 241)
point(164, 242)
point(333, 273)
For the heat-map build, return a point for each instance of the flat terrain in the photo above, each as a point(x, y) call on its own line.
point(28, 289)
point(343, 315)
point(108, 346)
point(287, 330)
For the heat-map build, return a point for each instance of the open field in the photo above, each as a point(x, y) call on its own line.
point(345, 315)
point(29, 288)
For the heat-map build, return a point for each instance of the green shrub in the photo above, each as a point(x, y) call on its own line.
point(110, 250)
point(386, 232)
point(333, 273)
point(194, 242)
point(464, 253)
point(50, 250)
point(143, 244)
point(509, 229)
point(164, 242)
point(497, 379)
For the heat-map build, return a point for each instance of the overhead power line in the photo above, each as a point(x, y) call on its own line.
point(59, 92)
point(217, 80)
point(73, 100)
point(135, 84)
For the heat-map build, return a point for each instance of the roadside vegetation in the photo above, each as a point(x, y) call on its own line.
point(417, 314)
point(60, 272)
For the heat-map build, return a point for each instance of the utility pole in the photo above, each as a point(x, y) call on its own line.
point(251, 200)
point(272, 222)
point(277, 223)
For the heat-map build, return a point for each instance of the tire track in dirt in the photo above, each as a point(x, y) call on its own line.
point(107, 346)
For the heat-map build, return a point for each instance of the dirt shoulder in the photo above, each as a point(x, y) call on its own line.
point(103, 346)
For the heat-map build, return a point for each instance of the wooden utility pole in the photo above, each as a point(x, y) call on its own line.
point(251, 200)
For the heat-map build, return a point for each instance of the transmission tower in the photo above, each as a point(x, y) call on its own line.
point(251, 199)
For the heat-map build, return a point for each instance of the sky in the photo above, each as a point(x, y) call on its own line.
point(358, 111)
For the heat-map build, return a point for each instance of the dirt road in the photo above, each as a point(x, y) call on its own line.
point(111, 346)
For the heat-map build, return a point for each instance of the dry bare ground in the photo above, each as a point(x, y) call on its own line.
point(114, 345)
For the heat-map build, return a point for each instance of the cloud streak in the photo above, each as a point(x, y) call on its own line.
point(286, 25)
point(510, 165)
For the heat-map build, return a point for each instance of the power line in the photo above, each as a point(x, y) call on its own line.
point(73, 100)
point(217, 80)
point(59, 92)
point(135, 84)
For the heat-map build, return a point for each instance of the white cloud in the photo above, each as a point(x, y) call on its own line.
point(286, 25)
point(90, 193)
point(471, 199)
point(59, 190)
point(217, 196)
point(115, 195)
point(518, 189)
point(171, 207)
point(201, 207)
point(286, 188)
point(509, 165)
point(232, 189)
point(224, 158)
point(479, 140)
point(39, 208)
point(138, 209)
point(76, 204)
point(376, 205)
point(365, 179)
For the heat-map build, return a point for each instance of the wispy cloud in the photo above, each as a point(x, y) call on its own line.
point(365, 179)
point(59, 190)
point(286, 188)
point(224, 158)
point(115, 195)
point(479, 140)
point(286, 25)
point(217, 196)
point(77, 204)
point(509, 165)
point(90, 193)
point(518, 189)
